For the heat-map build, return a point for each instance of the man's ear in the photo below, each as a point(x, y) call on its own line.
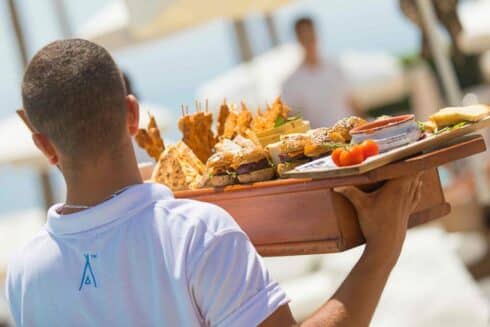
point(133, 114)
point(46, 147)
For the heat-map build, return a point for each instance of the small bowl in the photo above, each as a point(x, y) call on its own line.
point(388, 133)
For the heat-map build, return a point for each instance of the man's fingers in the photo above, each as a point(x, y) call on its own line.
point(353, 194)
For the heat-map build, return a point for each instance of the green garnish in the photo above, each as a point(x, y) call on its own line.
point(280, 120)
point(450, 128)
point(334, 145)
point(231, 173)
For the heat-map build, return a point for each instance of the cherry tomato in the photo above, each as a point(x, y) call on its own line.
point(336, 156)
point(369, 148)
point(345, 158)
point(356, 155)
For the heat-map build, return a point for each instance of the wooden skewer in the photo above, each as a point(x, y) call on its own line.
point(207, 105)
point(182, 109)
point(22, 114)
point(186, 109)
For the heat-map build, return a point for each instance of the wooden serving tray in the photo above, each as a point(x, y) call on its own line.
point(305, 216)
point(431, 142)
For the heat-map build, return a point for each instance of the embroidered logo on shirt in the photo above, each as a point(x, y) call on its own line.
point(88, 276)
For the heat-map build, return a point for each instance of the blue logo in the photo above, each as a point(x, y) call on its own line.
point(88, 276)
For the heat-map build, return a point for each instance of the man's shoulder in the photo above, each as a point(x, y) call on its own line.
point(22, 257)
point(185, 214)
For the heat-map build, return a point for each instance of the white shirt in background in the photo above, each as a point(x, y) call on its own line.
point(142, 258)
point(319, 93)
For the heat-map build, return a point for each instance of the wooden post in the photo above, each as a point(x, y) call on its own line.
point(47, 188)
point(19, 35)
point(271, 30)
point(63, 20)
point(245, 48)
point(443, 64)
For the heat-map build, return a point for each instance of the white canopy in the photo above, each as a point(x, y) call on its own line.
point(16, 146)
point(123, 23)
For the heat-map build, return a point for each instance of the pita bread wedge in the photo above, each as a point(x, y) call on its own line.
point(179, 168)
point(190, 157)
point(169, 170)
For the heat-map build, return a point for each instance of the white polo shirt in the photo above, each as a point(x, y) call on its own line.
point(142, 258)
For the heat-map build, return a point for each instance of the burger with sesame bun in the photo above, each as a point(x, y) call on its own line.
point(290, 151)
point(321, 142)
point(252, 165)
point(220, 170)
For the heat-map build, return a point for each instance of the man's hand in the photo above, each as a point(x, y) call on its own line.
point(383, 214)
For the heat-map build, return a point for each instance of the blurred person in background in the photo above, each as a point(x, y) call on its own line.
point(318, 89)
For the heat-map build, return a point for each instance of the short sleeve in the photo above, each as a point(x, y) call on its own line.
point(12, 292)
point(230, 284)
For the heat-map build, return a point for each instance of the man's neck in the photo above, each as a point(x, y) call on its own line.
point(96, 183)
point(311, 60)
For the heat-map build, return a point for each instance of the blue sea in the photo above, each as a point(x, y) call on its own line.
point(168, 71)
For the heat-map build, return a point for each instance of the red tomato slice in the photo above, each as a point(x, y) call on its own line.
point(345, 158)
point(356, 155)
point(336, 156)
point(369, 148)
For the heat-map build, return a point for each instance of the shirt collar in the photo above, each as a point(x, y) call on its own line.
point(134, 198)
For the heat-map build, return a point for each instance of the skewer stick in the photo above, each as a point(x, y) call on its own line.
point(207, 105)
point(186, 109)
point(197, 106)
point(182, 109)
point(22, 114)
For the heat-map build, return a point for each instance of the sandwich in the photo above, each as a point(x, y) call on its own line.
point(344, 126)
point(252, 165)
point(321, 142)
point(290, 151)
point(178, 168)
point(220, 170)
point(454, 115)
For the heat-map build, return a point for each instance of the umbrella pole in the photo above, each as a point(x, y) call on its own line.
point(47, 190)
point(19, 34)
point(63, 20)
point(271, 30)
point(243, 40)
point(444, 66)
point(48, 197)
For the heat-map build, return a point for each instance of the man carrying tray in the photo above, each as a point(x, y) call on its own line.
point(124, 253)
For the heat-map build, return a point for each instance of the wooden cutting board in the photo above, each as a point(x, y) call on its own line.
point(325, 168)
point(306, 216)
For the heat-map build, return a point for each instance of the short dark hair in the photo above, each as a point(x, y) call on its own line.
point(74, 94)
point(303, 21)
